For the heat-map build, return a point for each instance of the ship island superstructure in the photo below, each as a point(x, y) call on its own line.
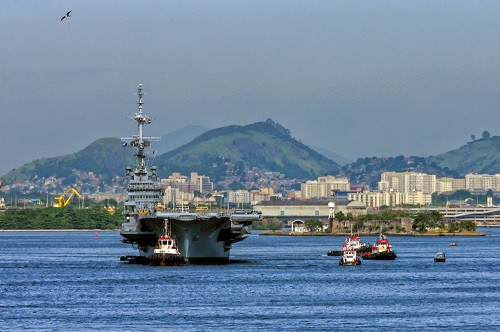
point(200, 237)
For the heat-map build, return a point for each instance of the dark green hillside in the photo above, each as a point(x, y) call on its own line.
point(232, 150)
point(105, 157)
point(480, 156)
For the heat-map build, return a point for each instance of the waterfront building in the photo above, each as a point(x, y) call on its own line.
point(372, 199)
point(444, 185)
point(258, 196)
point(392, 198)
point(483, 216)
point(376, 199)
point(177, 197)
point(291, 210)
point(406, 182)
point(474, 182)
point(267, 191)
point(239, 196)
point(323, 187)
point(179, 182)
point(458, 184)
point(417, 198)
point(202, 183)
point(189, 185)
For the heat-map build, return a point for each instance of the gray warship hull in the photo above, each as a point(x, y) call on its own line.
point(200, 238)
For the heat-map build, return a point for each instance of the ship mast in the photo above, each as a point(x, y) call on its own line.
point(139, 141)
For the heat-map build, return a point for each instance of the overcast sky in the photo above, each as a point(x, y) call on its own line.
point(360, 78)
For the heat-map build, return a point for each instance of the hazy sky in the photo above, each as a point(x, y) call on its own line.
point(360, 78)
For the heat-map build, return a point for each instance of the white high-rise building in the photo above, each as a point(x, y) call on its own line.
point(323, 187)
point(407, 182)
point(482, 182)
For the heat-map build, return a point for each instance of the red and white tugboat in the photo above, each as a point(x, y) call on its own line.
point(352, 242)
point(381, 250)
point(350, 257)
point(166, 252)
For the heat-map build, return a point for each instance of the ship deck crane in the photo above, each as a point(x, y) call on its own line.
point(60, 201)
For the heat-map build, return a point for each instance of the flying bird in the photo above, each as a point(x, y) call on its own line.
point(67, 15)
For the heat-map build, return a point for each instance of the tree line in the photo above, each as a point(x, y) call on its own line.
point(67, 217)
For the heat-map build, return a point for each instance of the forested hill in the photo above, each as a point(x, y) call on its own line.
point(105, 157)
point(233, 150)
point(478, 156)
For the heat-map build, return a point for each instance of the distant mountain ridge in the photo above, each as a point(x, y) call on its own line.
point(105, 157)
point(240, 154)
point(232, 150)
point(479, 156)
point(227, 152)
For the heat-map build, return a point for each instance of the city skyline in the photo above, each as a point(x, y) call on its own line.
point(370, 79)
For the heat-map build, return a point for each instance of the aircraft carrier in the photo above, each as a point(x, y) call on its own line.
point(200, 237)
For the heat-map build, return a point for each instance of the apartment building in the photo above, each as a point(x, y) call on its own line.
point(323, 187)
point(376, 199)
point(406, 182)
point(179, 182)
point(417, 198)
point(372, 199)
point(247, 196)
point(482, 182)
point(448, 185)
point(202, 182)
point(177, 197)
point(239, 196)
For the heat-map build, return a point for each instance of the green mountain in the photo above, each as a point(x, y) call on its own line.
point(479, 156)
point(106, 157)
point(223, 153)
point(232, 151)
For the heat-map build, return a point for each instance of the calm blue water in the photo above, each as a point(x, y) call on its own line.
point(71, 281)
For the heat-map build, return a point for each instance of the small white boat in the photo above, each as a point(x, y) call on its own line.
point(440, 257)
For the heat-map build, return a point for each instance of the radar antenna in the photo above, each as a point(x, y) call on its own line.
point(139, 141)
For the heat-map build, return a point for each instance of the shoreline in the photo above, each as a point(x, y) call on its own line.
point(58, 230)
point(280, 233)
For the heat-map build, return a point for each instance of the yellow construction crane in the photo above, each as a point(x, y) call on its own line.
point(60, 201)
point(110, 209)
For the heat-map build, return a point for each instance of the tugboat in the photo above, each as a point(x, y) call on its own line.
point(166, 252)
point(440, 257)
point(381, 250)
point(350, 257)
point(352, 242)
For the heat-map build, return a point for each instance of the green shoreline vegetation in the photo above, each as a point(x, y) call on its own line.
point(65, 218)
